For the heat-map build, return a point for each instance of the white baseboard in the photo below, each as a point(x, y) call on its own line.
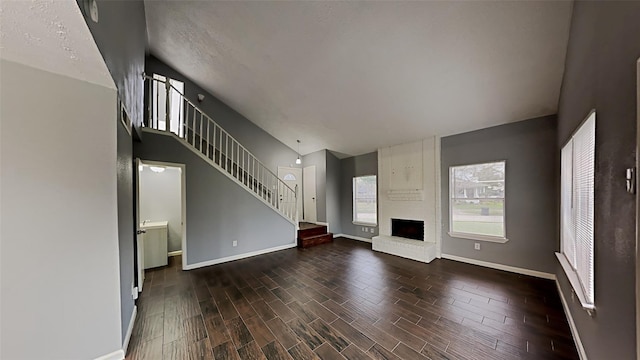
point(513, 269)
point(352, 237)
point(116, 355)
point(174, 253)
point(238, 257)
point(127, 337)
point(572, 325)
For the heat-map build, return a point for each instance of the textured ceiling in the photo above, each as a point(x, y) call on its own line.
point(57, 28)
point(355, 76)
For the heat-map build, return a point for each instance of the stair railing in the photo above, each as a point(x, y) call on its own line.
point(170, 111)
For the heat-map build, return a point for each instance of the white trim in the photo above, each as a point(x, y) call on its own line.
point(478, 237)
point(238, 257)
point(116, 355)
point(353, 237)
point(508, 268)
point(361, 223)
point(174, 253)
point(127, 337)
point(572, 325)
point(572, 276)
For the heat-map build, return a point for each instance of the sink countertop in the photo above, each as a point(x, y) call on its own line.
point(154, 225)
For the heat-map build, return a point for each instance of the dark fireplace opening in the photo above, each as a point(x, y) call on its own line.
point(410, 229)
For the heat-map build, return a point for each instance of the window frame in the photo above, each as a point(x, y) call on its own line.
point(475, 236)
point(355, 221)
point(570, 271)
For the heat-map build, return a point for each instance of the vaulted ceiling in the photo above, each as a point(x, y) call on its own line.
point(355, 76)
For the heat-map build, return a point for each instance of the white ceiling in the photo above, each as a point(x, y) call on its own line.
point(55, 28)
point(355, 76)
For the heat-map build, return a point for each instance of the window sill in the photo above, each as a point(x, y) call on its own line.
point(494, 239)
point(364, 223)
point(575, 284)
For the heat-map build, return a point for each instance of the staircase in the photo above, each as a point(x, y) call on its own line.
point(312, 234)
point(169, 112)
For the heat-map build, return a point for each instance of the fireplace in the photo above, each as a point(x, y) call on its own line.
point(409, 229)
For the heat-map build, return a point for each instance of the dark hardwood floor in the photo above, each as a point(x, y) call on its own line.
point(342, 300)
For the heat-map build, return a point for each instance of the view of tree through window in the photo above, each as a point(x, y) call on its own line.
point(364, 200)
point(477, 199)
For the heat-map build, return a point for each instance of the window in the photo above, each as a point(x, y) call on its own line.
point(160, 101)
point(365, 207)
point(476, 207)
point(576, 210)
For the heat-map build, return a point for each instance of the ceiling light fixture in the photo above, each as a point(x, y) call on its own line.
point(298, 160)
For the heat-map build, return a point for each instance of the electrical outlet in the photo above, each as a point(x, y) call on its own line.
point(235, 243)
point(476, 246)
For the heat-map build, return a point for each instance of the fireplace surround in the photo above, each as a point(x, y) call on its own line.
point(408, 229)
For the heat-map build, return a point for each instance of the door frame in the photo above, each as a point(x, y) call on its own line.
point(637, 210)
point(183, 205)
point(315, 193)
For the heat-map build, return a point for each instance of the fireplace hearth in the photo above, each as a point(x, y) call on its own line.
point(408, 229)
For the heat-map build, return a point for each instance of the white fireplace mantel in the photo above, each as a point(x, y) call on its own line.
point(408, 184)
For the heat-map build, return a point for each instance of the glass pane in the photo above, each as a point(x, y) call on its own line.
point(366, 211)
point(478, 181)
point(482, 217)
point(364, 199)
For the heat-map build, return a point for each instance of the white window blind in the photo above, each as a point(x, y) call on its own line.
point(566, 199)
point(577, 203)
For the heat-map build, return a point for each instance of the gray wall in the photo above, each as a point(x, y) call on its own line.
point(161, 200)
point(126, 225)
point(319, 160)
point(361, 165)
point(531, 191)
point(59, 225)
point(121, 37)
point(600, 73)
point(265, 147)
point(218, 210)
point(332, 192)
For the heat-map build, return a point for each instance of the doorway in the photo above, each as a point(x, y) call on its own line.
point(292, 177)
point(160, 215)
point(309, 194)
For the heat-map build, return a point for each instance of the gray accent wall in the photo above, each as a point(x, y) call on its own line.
point(218, 209)
point(265, 147)
point(531, 191)
point(600, 74)
point(366, 164)
point(121, 37)
point(126, 225)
